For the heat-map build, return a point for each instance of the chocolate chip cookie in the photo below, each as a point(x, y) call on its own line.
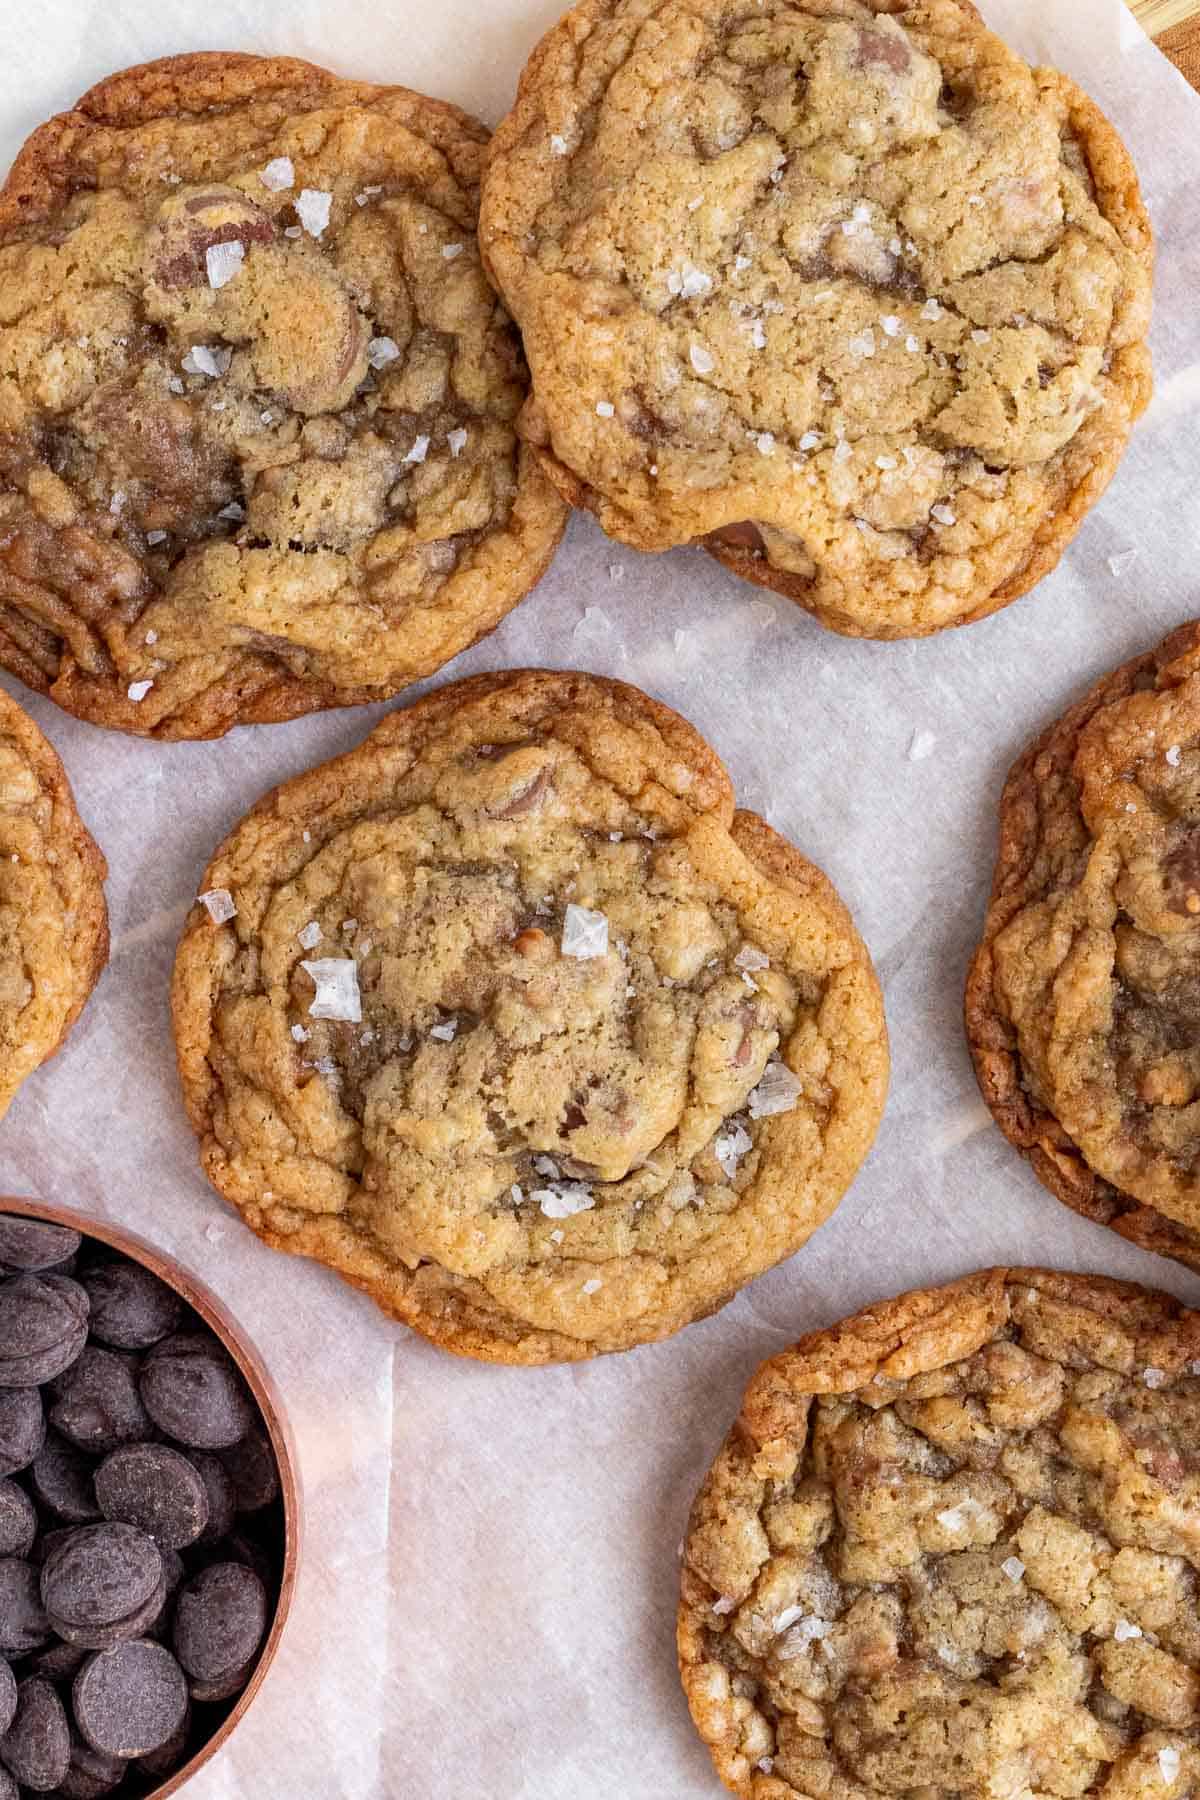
point(53, 921)
point(510, 1018)
point(842, 289)
point(948, 1550)
point(257, 428)
point(1082, 1006)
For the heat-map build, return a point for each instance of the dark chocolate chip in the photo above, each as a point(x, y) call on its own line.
point(167, 1759)
point(97, 1406)
point(8, 1786)
point(131, 1308)
point(18, 1520)
point(192, 1391)
point(37, 1746)
point(8, 1696)
point(220, 1618)
point(251, 1463)
point(33, 1244)
point(224, 1687)
point(104, 1583)
point(62, 1481)
point(222, 1497)
point(239, 1546)
point(92, 1774)
point(22, 1428)
point(130, 1700)
point(43, 1327)
point(58, 1662)
point(157, 1488)
point(23, 1622)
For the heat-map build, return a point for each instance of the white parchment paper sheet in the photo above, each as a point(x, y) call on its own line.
point(486, 1604)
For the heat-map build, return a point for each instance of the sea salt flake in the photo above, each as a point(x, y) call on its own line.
point(788, 1616)
point(176, 385)
point(235, 512)
point(1172, 756)
point(1168, 1763)
point(419, 451)
point(777, 1092)
point(155, 537)
point(605, 408)
point(729, 1147)
point(974, 199)
point(450, 251)
point(556, 1237)
point(565, 1201)
point(117, 501)
point(702, 360)
point(885, 462)
point(381, 351)
point(689, 282)
point(1124, 559)
point(765, 443)
point(325, 1065)
point(724, 1605)
point(546, 1165)
point(842, 452)
point(219, 904)
point(457, 441)
point(584, 933)
point(300, 1034)
point(1154, 1378)
point(137, 690)
point(751, 957)
point(890, 324)
point(692, 205)
point(445, 1032)
point(278, 175)
point(758, 336)
point(591, 1287)
point(943, 514)
point(312, 210)
point(766, 1764)
point(895, 246)
point(558, 144)
point(337, 995)
point(310, 937)
point(920, 746)
point(152, 637)
point(200, 360)
point(741, 264)
point(981, 337)
point(863, 344)
point(912, 345)
point(223, 261)
point(810, 440)
point(931, 310)
point(292, 231)
point(372, 193)
point(1124, 1630)
point(1013, 1567)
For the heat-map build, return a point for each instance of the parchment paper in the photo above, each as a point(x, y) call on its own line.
point(486, 1603)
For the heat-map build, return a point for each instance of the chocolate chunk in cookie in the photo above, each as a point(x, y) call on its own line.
point(522, 1027)
point(847, 293)
point(948, 1549)
point(53, 926)
point(1083, 1003)
point(262, 457)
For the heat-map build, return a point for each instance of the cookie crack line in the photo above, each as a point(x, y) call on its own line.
point(220, 309)
point(1018, 203)
point(512, 989)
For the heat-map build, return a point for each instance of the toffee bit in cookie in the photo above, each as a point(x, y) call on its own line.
point(310, 936)
point(381, 351)
point(777, 1092)
point(218, 902)
point(312, 210)
point(223, 261)
point(137, 690)
point(565, 1201)
point(337, 995)
point(584, 933)
point(278, 175)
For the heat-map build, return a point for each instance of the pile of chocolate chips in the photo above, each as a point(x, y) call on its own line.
point(141, 1528)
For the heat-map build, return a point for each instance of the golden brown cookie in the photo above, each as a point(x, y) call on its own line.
point(510, 1018)
point(949, 1550)
point(53, 921)
point(1083, 1003)
point(842, 289)
point(257, 400)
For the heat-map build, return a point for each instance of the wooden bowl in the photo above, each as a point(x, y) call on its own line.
point(274, 1419)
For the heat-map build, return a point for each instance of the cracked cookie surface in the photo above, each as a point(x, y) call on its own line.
point(53, 921)
point(1083, 1006)
point(522, 1028)
point(842, 289)
point(258, 400)
point(950, 1549)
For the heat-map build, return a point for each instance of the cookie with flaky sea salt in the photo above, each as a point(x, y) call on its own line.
point(841, 289)
point(510, 1018)
point(53, 921)
point(1083, 1002)
point(258, 400)
point(948, 1550)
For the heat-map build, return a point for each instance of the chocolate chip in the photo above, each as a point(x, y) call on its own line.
point(220, 1618)
point(224, 1687)
point(192, 1392)
point(238, 1547)
point(62, 1481)
point(58, 1662)
point(8, 1696)
point(221, 1494)
point(251, 1463)
point(131, 1308)
point(23, 1622)
point(92, 1774)
point(22, 1428)
point(37, 1745)
point(18, 1520)
point(168, 1757)
point(103, 1584)
point(8, 1787)
point(43, 1327)
point(33, 1244)
point(157, 1488)
point(130, 1700)
point(97, 1406)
